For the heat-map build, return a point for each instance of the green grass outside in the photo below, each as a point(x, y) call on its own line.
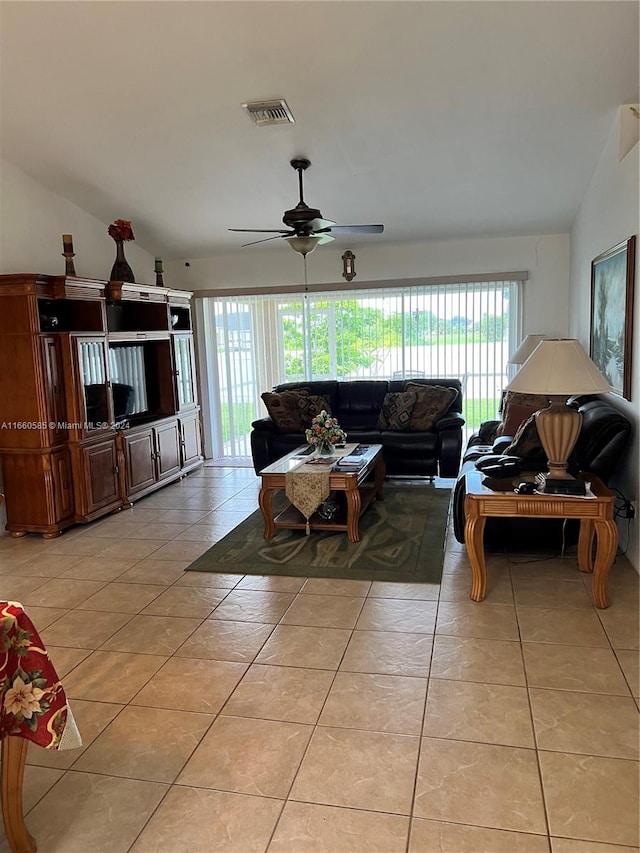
point(477, 411)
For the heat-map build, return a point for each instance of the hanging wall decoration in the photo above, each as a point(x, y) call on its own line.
point(349, 265)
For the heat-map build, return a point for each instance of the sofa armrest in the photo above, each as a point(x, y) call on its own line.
point(264, 424)
point(449, 432)
point(487, 431)
point(452, 420)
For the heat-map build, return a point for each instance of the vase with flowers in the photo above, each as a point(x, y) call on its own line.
point(324, 434)
point(122, 232)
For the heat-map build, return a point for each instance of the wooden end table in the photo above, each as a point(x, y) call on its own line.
point(358, 492)
point(596, 520)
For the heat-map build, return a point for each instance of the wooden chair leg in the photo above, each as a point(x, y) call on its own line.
point(14, 756)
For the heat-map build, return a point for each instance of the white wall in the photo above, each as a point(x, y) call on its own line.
point(546, 304)
point(608, 215)
point(33, 220)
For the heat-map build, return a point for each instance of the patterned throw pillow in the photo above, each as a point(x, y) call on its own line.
point(396, 410)
point(284, 409)
point(432, 402)
point(311, 405)
point(526, 442)
point(517, 408)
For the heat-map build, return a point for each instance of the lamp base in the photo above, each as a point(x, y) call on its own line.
point(558, 428)
point(561, 485)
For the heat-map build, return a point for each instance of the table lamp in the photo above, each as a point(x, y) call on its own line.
point(558, 368)
point(525, 349)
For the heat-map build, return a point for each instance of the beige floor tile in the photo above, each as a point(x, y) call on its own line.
point(465, 659)
point(37, 781)
point(62, 592)
point(122, 597)
point(388, 653)
point(111, 676)
point(92, 718)
point(99, 569)
point(432, 836)
point(129, 548)
point(603, 805)
point(192, 819)
point(474, 619)
point(479, 784)
point(196, 601)
point(220, 640)
point(323, 611)
point(315, 648)
point(248, 605)
point(14, 588)
point(42, 617)
point(183, 516)
point(404, 615)
point(166, 530)
point(381, 703)
point(84, 812)
point(123, 530)
point(458, 588)
point(542, 592)
point(333, 586)
point(622, 625)
point(419, 591)
point(630, 663)
point(48, 565)
point(285, 693)
point(569, 845)
point(152, 635)
point(212, 683)
point(311, 828)
point(489, 713)
point(82, 629)
point(64, 660)
point(181, 550)
point(587, 723)
point(145, 743)
point(548, 568)
point(569, 627)
point(271, 583)
point(588, 670)
point(248, 756)
point(151, 570)
point(81, 546)
point(357, 769)
point(210, 579)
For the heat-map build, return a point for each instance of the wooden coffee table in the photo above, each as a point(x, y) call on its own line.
point(357, 486)
point(596, 520)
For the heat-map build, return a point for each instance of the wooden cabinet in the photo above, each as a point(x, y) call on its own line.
point(99, 403)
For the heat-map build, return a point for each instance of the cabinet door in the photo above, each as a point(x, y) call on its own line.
point(62, 484)
point(190, 439)
point(139, 454)
point(184, 371)
point(167, 449)
point(54, 388)
point(95, 410)
point(100, 475)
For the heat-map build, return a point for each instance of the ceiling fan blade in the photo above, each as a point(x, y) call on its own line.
point(355, 229)
point(320, 224)
point(261, 230)
point(266, 240)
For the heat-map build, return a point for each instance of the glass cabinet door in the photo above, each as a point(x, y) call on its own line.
point(183, 350)
point(92, 365)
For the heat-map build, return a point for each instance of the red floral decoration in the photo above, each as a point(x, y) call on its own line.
point(121, 230)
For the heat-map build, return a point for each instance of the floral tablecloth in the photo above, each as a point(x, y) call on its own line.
point(34, 705)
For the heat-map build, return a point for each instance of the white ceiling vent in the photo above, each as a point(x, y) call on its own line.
point(269, 112)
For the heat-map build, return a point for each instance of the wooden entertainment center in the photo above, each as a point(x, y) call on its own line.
point(98, 402)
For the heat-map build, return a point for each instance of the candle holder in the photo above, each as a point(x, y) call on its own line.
point(159, 272)
point(68, 254)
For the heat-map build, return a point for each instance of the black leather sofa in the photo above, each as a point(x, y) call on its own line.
point(603, 438)
point(357, 405)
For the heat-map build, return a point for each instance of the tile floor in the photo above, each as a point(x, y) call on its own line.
point(249, 714)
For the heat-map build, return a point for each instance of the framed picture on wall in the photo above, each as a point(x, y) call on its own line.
point(611, 345)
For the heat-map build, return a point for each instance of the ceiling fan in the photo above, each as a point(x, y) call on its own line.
point(306, 228)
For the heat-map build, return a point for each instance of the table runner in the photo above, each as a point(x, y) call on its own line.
point(307, 485)
point(34, 704)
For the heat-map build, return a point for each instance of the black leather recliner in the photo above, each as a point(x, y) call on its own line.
point(600, 447)
point(357, 405)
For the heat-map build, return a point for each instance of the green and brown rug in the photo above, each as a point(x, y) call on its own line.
point(401, 539)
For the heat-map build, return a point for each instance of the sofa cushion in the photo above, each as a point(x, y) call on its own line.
point(526, 442)
point(517, 408)
point(396, 410)
point(359, 403)
point(432, 402)
point(284, 409)
point(311, 405)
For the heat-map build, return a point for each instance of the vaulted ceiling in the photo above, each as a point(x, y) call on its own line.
point(439, 119)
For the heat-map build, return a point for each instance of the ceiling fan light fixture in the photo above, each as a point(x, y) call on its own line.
point(304, 245)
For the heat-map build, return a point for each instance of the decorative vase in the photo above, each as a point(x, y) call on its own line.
point(324, 448)
point(121, 271)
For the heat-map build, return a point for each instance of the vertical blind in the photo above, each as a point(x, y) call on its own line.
point(463, 330)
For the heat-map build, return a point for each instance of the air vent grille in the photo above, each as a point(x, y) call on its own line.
point(269, 112)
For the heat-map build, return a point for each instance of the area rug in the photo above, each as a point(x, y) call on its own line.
point(401, 539)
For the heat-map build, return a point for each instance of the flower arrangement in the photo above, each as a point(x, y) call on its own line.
point(325, 431)
point(121, 230)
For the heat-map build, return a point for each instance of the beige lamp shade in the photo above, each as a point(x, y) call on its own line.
point(525, 349)
point(559, 367)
